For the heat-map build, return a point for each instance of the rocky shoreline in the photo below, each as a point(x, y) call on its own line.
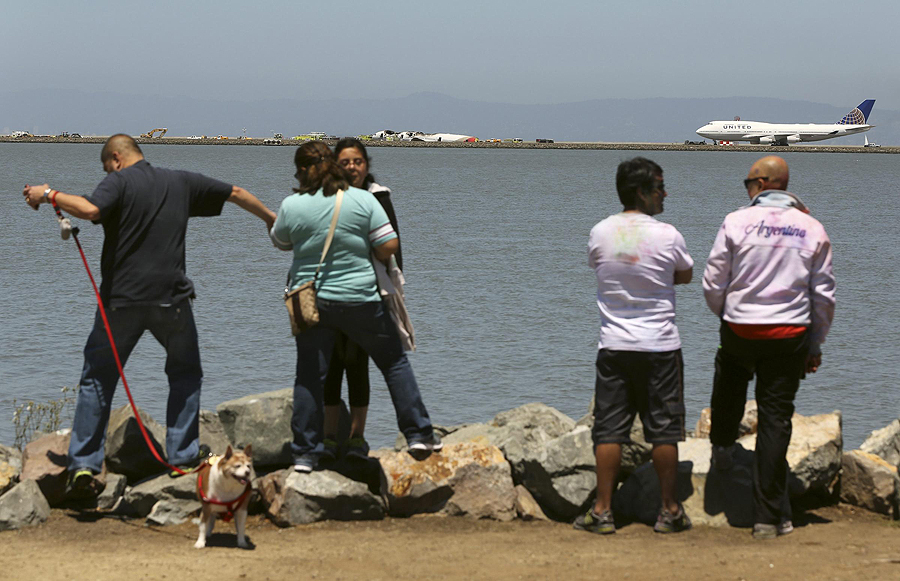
point(483, 145)
point(532, 462)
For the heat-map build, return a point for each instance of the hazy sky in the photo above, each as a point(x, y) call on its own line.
point(519, 51)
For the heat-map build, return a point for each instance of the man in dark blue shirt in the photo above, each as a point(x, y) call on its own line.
point(144, 211)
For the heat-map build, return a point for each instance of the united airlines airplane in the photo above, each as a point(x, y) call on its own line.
point(784, 133)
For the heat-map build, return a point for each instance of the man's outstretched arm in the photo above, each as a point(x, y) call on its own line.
point(77, 206)
point(251, 203)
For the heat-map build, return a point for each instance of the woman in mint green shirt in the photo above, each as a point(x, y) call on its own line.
point(346, 296)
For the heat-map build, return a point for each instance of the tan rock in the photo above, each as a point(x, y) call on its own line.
point(466, 478)
point(271, 489)
point(8, 476)
point(867, 480)
point(527, 507)
point(747, 426)
point(704, 424)
point(44, 461)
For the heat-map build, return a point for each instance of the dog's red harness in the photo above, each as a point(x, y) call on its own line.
point(229, 506)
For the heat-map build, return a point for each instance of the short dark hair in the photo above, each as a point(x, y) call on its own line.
point(317, 168)
point(354, 143)
point(633, 175)
point(121, 143)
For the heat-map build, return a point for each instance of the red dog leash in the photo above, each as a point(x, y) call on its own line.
point(229, 506)
point(74, 231)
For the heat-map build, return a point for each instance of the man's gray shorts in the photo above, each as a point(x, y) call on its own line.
point(647, 383)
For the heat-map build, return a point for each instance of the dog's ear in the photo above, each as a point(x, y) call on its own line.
point(228, 453)
point(249, 450)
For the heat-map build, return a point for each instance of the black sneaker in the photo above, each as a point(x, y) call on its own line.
point(357, 447)
point(331, 451)
point(82, 485)
point(667, 522)
point(722, 458)
point(188, 466)
point(601, 524)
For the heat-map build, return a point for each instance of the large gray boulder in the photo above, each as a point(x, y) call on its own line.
point(11, 456)
point(212, 432)
point(126, 450)
point(867, 480)
point(520, 433)
point(173, 511)
point(263, 420)
point(112, 492)
point(23, 506)
point(885, 443)
point(294, 498)
point(470, 478)
point(814, 454)
point(140, 499)
point(562, 477)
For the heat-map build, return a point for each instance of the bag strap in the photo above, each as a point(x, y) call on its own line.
point(334, 220)
point(339, 197)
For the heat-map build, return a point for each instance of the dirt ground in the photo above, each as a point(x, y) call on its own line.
point(836, 542)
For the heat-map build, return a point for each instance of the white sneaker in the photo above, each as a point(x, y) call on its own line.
point(785, 528)
point(302, 468)
point(432, 445)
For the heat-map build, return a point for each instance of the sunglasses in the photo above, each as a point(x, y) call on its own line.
point(749, 181)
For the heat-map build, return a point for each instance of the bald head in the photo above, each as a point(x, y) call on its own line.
point(770, 173)
point(119, 152)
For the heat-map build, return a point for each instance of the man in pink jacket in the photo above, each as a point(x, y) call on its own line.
point(769, 279)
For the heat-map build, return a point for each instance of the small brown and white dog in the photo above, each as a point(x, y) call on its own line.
point(223, 485)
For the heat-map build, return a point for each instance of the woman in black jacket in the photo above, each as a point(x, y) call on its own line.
point(352, 157)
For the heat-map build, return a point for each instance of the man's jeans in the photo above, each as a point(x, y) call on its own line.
point(370, 326)
point(779, 364)
point(174, 328)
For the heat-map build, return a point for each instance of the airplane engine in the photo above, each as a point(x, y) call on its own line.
point(793, 139)
point(766, 141)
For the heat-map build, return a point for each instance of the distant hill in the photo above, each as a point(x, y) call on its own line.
point(656, 120)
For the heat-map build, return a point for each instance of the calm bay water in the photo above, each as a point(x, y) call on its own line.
point(498, 284)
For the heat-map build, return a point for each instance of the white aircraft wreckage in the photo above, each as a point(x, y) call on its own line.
point(389, 135)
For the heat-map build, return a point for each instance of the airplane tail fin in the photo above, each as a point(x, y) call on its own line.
point(859, 115)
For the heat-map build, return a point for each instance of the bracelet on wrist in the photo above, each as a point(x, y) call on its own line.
point(47, 193)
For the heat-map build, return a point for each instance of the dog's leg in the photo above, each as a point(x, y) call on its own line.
point(240, 522)
point(206, 522)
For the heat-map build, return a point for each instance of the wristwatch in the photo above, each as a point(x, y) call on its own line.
point(47, 193)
